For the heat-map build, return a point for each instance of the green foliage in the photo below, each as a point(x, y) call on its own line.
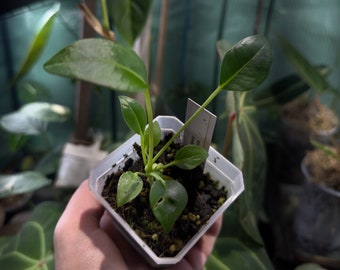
point(39, 42)
point(18, 252)
point(246, 64)
point(101, 62)
point(167, 199)
point(305, 70)
point(129, 187)
point(31, 119)
point(129, 17)
point(21, 183)
point(106, 63)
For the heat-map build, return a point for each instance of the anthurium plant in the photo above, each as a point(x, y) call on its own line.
point(118, 67)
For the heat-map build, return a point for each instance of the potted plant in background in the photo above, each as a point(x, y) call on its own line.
point(115, 66)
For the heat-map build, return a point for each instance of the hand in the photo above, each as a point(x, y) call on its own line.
point(85, 238)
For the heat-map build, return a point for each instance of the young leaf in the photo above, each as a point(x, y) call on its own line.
point(246, 64)
point(129, 186)
point(157, 134)
point(133, 114)
point(167, 199)
point(190, 156)
point(101, 62)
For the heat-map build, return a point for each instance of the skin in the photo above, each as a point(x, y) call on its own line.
point(85, 238)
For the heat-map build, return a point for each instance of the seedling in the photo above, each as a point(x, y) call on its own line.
point(112, 65)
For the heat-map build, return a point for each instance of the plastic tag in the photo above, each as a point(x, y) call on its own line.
point(201, 130)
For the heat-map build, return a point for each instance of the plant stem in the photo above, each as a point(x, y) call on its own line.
point(227, 140)
point(106, 22)
point(148, 108)
point(187, 123)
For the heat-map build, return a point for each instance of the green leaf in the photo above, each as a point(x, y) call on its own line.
point(21, 183)
point(20, 253)
point(129, 17)
point(190, 156)
point(133, 114)
point(101, 62)
point(30, 91)
point(309, 266)
point(39, 42)
point(306, 71)
point(32, 117)
point(167, 199)
point(129, 186)
point(157, 134)
point(246, 64)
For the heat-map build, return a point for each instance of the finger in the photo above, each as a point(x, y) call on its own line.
point(79, 242)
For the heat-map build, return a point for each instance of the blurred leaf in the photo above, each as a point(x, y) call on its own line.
point(246, 64)
point(222, 47)
point(32, 247)
point(46, 112)
point(39, 42)
point(303, 67)
point(101, 62)
point(49, 163)
point(21, 183)
point(32, 118)
point(129, 17)
point(32, 92)
point(309, 266)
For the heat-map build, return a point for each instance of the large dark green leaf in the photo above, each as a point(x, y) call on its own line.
point(39, 42)
point(129, 17)
point(32, 247)
point(303, 67)
point(101, 62)
point(21, 183)
point(246, 64)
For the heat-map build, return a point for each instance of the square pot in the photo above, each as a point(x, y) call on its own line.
point(219, 168)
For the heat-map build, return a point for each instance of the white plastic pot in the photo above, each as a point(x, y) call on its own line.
point(219, 168)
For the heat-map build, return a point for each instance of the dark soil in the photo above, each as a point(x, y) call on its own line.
point(204, 199)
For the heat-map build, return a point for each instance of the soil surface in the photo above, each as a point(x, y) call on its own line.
point(204, 199)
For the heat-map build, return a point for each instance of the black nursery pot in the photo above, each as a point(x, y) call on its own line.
point(219, 168)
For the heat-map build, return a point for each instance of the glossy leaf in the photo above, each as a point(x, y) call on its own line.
point(133, 114)
point(190, 156)
point(129, 186)
point(39, 42)
point(20, 253)
point(167, 199)
point(303, 67)
point(129, 17)
point(21, 183)
point(101, 62)
point(157, 135)
point(246, 64)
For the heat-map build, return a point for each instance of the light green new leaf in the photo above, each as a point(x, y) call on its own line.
point(101, 62)
point(190, 156)
point(39, 42)
point(157, 134)
point(246, 64)
point(129, 17)
point(129, 186)
point(21, 183)
point(167, 199)
point(133, 114)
